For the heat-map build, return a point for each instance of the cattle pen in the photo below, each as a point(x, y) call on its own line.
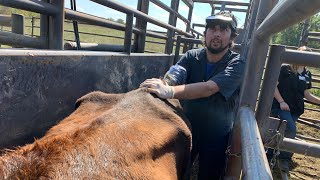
point(42, 76)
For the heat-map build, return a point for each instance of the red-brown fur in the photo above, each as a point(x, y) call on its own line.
point(109, 136)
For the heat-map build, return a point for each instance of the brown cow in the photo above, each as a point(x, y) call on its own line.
point(109, 136)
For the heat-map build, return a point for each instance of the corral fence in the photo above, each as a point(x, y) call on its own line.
point(135, 44)
point(264, 18)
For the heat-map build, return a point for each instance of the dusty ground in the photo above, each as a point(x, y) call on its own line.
point(304, 167)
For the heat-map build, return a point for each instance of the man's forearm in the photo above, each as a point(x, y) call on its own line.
point(195, 90)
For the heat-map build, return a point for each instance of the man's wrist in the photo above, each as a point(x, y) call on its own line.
point(171, 92)
point(281, 102)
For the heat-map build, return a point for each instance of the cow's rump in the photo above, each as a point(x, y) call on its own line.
point(108, 136)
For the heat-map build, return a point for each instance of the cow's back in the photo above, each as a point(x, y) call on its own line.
point(109, 136)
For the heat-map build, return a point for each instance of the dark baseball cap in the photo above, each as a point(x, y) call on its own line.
point(223, 17)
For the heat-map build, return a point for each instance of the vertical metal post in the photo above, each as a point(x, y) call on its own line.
point(1, 30)
point(212, 8)
point(304, 33)
point(32, 26)
point(223, 6)
point(189, 45)
point(189, 18)
point(128, 33)
point(249, 27)
point(56, 25)
point(44, 28)
point(234, 164)
point(255, 62)
point(177, 51)
point(267, 91)
point(75, 25)
point(173, 22)
point(140, 39)
point(17, 24)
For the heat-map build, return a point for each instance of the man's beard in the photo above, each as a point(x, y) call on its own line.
point(217, 51)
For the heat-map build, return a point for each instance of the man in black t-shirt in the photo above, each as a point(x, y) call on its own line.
point(210, 92)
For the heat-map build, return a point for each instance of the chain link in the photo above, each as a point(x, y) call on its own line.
point(276, 151)
point(228, 152)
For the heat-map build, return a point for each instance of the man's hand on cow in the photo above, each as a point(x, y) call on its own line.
point(157, 87)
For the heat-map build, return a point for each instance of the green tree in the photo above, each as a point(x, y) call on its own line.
point(291, 35)
point(120, 21)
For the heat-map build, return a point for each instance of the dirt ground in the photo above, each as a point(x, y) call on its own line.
point(304, 167)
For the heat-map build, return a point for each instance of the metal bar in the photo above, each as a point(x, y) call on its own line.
point(301, 57)
point(300, 147)
point(94, 20)
point(5, 20)
point(199, 25)
point(249, 28)
point(269, 84)
point(254, 160)
point(157, 35)
point(310, 119)
point(193, 30)
point(32, 5)
point(126, 9)
point(189, 3)
point(285, 14)
point(189, 18)
point(312, 109)
point(308, 138)
point(316, 79)
point(32, 26)
point(75, 24)
point(304, 33)
point(314, 33)
point(306, 101)
point(140, 39)
point(177, 50)
point(56, 25)
point(44, 28)
point(12, 39)
point(93, 34)
point(314, 39)
point(173, 22)
point(94, 47)
point(17, 25)
point(308, 123)
point(230, 9)
point(155, 42)
point(128, 33)
point(170, 10)
point(255, 62)
point(191, 40)
point(220, 2)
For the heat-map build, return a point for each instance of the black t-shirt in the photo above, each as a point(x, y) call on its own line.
point(291, 87)
point(215, 114)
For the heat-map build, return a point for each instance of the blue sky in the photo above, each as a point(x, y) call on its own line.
point(200, 12)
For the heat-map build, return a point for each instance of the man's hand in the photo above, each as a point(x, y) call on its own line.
point(284, 106)
point(157, 87)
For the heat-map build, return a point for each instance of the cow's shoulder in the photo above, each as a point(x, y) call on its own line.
point(99, 97)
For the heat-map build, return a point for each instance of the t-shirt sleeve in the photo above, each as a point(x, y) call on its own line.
point(185, 61)
point(230, 79)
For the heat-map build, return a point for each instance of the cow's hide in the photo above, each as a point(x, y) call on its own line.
point(108, 136)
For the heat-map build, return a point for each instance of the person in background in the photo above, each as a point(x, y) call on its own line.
point(293, 86)
point(209, 92)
